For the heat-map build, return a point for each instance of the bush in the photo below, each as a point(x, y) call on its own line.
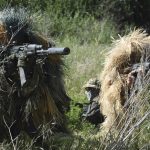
point(123, 12)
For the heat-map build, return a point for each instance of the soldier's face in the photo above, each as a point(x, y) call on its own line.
point(89, 92)
point(88, 95)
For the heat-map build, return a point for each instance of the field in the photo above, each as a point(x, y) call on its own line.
point(89, 39)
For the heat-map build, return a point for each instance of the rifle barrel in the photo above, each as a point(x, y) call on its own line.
point(54, 51)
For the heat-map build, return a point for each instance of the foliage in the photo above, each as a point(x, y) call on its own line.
point(86, 26)
point(121, 11)
point(72, 27)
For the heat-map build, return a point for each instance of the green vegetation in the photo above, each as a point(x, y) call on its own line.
point(87, 28)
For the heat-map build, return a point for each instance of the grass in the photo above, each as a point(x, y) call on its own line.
point(89, 40)
point(138, 138)
point(86, 61)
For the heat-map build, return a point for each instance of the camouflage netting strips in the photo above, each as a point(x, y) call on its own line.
point(125, 53)
point(125, 93)
point(42, 101)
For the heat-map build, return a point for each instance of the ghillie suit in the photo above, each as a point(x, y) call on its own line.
point(116, 76)
point(42, 101)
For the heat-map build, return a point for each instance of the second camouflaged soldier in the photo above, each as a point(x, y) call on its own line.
point(91, 111)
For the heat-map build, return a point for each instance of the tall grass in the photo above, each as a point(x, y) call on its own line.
point(82, 29)
point(89, 40)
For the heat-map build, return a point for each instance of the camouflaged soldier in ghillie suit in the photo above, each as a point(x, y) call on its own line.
point(42, 101)
point(91, 111)
point(123, 77)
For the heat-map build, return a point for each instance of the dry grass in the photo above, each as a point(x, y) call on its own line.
point(126, 52)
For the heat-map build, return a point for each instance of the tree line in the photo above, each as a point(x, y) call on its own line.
point(123, 12)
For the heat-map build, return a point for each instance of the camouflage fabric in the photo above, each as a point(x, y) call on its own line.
point(42, 101)
point(91, 112)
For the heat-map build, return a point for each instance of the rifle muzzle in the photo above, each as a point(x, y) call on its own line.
point(54, 51)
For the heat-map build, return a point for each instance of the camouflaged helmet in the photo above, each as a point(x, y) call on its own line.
point(92, 83)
